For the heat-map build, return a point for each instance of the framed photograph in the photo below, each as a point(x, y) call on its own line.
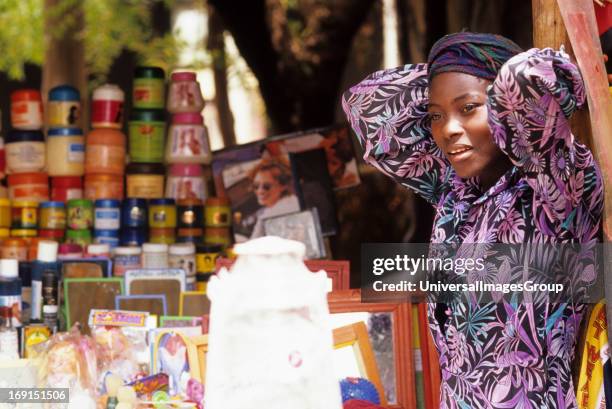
point(170, 356)
point(168, 282)
point(154, 304)
point(257, 190)
point(303, 227)
point(338, 271)
point(389, 328)
point(85, 294)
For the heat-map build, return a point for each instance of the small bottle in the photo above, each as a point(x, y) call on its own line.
point(46, 260)
point(9, 341)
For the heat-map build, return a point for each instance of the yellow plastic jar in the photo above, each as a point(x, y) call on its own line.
point(65, 152)
point(162, 214)
point(52, 215)
point(5, 213)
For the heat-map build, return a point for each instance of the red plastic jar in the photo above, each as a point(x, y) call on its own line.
point(29, 186)
point(26, 109)
point(64, 188)
point(186, 181)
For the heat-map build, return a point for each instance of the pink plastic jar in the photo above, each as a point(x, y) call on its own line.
point(184, 94)
point(186, 181)
point(188, 140)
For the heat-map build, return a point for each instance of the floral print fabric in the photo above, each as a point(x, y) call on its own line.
point(495, 355)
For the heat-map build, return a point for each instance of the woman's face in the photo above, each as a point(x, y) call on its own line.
point(267, 189)
point(458, 113)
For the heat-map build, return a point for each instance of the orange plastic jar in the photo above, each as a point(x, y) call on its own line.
point(105, 152)
point(103, 186)
point(15, 248)
point(29, 186)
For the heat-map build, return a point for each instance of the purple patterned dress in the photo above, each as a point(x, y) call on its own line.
point(495, 355)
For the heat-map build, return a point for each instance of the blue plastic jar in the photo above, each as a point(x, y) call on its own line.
point(133, 236)
point(134, 213)
point(110, 237)
point(107, 214)
point(64, 107)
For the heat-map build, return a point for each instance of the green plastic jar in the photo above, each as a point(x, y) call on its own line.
point(81, 237)
point(148, 90)
point(80, 214)
point(147, 129)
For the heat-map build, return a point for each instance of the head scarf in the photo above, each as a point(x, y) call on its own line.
point(477, 54)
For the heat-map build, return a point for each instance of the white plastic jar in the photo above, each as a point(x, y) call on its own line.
point(25, 151)
point(154, 255)
point(182, 255)
point(188, 140)
point(65, 152)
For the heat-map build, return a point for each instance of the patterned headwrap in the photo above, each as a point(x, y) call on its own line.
point(477, 54)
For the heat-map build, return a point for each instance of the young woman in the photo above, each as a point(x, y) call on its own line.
point(481, 132)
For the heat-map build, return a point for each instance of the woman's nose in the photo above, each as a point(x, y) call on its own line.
point(452, 128)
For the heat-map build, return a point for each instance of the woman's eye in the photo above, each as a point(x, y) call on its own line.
point(469, 108)
point(434, 116)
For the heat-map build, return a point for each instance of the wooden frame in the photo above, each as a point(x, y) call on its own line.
point(119, 299)
point(198, 348)
point(338, 271)
point(92, 297)
point(356, 336)
point(192, 294)
point(350, 301)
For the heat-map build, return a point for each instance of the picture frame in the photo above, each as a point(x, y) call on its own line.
point(194, 303)
point(338, 271)
point(176, 321)
point(86, 268)
point(394, 341)
point(197, 356)
point(154, 304)
point(170, 355)
point(169, 282)
point(94, 293)
point(356, 337)
point(303, 226)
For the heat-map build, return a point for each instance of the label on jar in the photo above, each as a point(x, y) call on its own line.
point(189, 141)
point(123, 263)
point(107, 219)
point(26, 114)
point(25, 156)
point(180, 188)
point(79, 218)
point(205, 262)
point(217, 216)
point(148, 93)
point(111, 241)
point(35, 192)
point(105, 159)
point(63, 113)
point(14, 303)
point(145, 186)
point(186, 262)
point(76, 152)
point(146, 142)
point(185, 96)
point(106, 113)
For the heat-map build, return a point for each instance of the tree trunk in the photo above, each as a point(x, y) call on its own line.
point(216, 46)
point(413, 30)
point(64, 54)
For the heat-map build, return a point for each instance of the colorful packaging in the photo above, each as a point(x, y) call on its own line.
point(107, 107)
point(147, 130)
point(148, 91)
point(64, 107)
point(26, 109)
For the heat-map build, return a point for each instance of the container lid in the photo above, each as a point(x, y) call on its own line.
point(5, 202)
point(190, 202)
point(193, 118)
point(95, 249)
point(217, 201)
point(209, 248)
point(107, 203)
point(47, 205)
point(148, 115)
point(67, 182)
point(108, 92)
point(64, 93)
point(9, 287)
point(47, 251)
point(65, 132)
point(106, 233)
point(51, 233)
point(155, 248)
point(184, 169)
point(183, 76)
point(164, 201)
point(49, 309)
point(78, 234)
point(149, 72)
point(24, 136)
point(9, 268)
point(145, 168)
point(134, 201)
point(25, 203)
point(103, 177)
point(80, 203)
point(190, 232)
point(127, 251)
point(69, 248)
point(24, 232)
point(25, 95)
point(14, 242)
point(34, 177)
point(181, 249)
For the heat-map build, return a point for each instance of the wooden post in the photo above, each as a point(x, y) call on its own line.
point(549, 31)
point(64, 53)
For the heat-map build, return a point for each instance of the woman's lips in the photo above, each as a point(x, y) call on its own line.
point(460, 153)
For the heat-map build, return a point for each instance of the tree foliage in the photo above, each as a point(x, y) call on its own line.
point(110, 26)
